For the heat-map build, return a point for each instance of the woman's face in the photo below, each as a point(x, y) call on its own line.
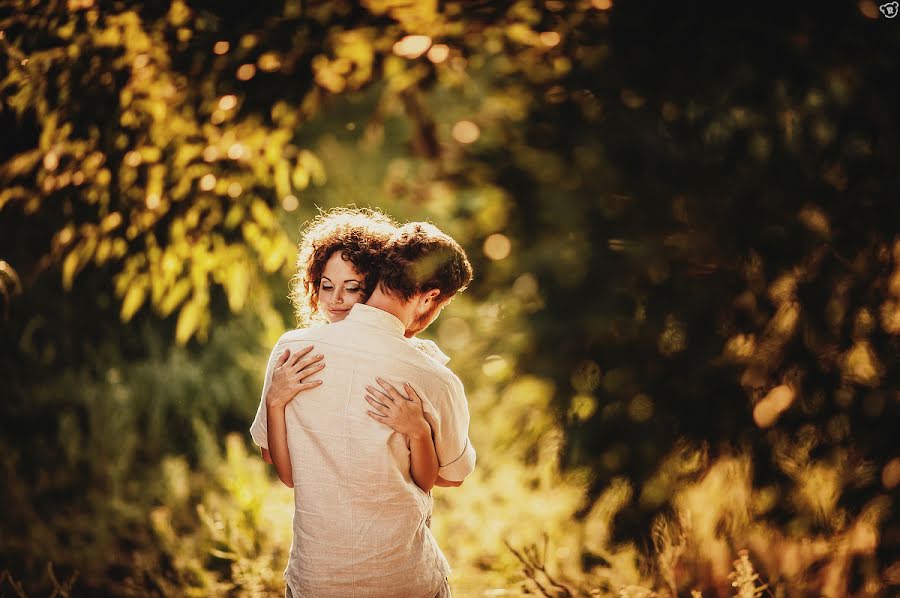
point(340, 288)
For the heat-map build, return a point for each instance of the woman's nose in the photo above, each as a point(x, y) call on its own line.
point(338, 297)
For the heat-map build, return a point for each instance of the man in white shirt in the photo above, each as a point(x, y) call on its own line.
point(360, 522)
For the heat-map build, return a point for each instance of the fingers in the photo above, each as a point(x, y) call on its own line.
point(307, 385)
point(380, 394)
point(377, 417)
point(378, 405)
point(300, 354)
point(283, 358)
point(411, 393)
point(309, 370)
point(392, 392)
point(302, 364)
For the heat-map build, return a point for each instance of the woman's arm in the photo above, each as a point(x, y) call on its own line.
point(407, 416)
point(278, 447)
point(287, 380)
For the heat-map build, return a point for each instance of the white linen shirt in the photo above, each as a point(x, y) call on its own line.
point(359, 519)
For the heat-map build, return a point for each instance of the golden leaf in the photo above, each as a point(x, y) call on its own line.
point(262, 214)
point(133, 300)
point(237, 285)
point(283, 179)
point(175, 296)
point(188, 320)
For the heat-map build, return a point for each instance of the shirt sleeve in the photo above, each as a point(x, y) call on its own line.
point(259, 428)
point(449, 421)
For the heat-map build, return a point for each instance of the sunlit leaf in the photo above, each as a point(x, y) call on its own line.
point(133, 300)
point(175, 296)
point(188, 321)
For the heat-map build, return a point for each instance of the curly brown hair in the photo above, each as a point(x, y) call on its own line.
point(359, 234)
point(420, 257)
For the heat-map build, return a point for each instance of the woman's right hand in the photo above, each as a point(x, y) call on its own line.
point(290, 376)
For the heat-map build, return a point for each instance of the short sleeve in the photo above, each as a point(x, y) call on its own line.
point(449, 421)
point(259, 429)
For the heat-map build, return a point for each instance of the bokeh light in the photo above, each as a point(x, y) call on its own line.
point(465, 131)
point(208, 182)
point(412, 46)
point(269, 62)
point(236, 151)
point(438, 53)
point(227, 102)
point(497, 246)
point(246, 72)
point(210, 153)
point(549, 38)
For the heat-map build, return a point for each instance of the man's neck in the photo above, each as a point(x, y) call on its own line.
point(399, 309)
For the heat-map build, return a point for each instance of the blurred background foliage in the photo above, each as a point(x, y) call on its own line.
point(680, 348)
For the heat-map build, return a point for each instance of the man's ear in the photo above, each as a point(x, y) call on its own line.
point(431, 295)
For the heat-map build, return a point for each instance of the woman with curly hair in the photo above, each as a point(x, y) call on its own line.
point(337, 263)
point(337, 267)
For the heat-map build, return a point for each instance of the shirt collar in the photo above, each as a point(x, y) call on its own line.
point(366, 314)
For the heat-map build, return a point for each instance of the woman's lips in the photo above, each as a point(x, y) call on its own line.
point(338, 310)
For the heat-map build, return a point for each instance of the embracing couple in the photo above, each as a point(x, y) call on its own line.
point(359, 416)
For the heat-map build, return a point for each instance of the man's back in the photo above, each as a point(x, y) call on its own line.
point(360, 522)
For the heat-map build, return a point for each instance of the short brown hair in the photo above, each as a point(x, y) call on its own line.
point(418, 258)
point(359, 234)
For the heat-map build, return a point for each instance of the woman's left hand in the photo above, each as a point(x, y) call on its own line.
point(405, 414)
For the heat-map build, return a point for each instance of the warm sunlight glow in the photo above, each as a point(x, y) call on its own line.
point(236, 151)
point(51, 161)
point(412, 46)
point(767, 411)
point(211, 153)
point(208, 182)
point(133, 159)
point(549, 38)
point(227, 102)
point(269, 62)
point(497, 246)
point(221, 47)
point(290, 203)
point(465, 131)
point(246, 72)
point(438, 53)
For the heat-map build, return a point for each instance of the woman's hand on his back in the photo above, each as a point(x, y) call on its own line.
point(405, 414)
point(290, 376)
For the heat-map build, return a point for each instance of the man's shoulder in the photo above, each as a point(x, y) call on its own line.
point(300, 334)
point(425, 362)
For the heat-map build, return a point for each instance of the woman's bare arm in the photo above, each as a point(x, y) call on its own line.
point(405, 414)
point(288, 379)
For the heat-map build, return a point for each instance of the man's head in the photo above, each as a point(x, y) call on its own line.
point(425, 268)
